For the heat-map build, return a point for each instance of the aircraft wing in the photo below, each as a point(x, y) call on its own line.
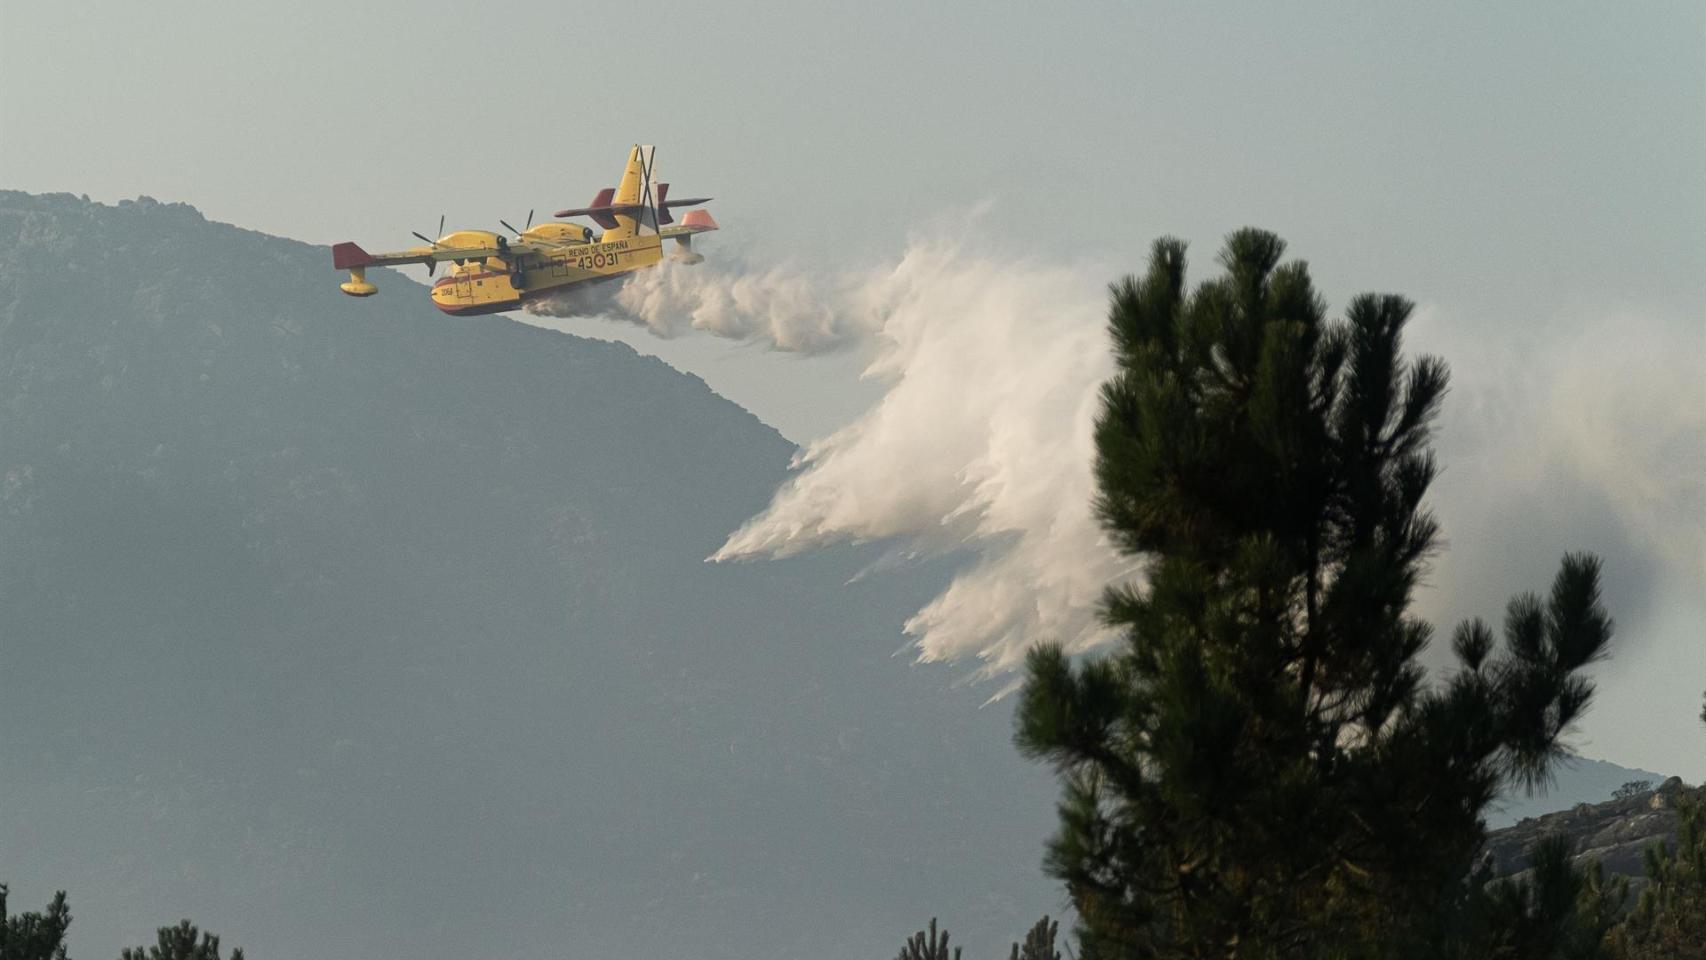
point(346, 256)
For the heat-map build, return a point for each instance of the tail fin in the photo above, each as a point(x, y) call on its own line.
point(640, 205)
point(635, 201)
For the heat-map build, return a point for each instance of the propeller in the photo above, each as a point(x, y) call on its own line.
point(432, 265)
point(523, 229)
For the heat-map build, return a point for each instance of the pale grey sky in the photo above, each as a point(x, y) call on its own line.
point(1512, 159)
point(1534, 174)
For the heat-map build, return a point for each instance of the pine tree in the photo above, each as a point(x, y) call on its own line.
point(1260, 770)
point(34, 936)
point(182, 942)
point(1632, 789)
point(1669, 920)
point(1556, 913)
point(1039, 942)
point(933, 947)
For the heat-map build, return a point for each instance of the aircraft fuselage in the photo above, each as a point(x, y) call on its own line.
point(494, 285)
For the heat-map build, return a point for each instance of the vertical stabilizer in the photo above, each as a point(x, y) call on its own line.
point(635, 204)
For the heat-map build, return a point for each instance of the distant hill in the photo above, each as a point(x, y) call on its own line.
point(1579, 780)
point(349, 629)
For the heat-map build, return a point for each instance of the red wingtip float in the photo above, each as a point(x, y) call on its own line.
point(492, 273)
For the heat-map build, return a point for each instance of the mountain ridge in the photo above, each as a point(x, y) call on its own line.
point(328, 621)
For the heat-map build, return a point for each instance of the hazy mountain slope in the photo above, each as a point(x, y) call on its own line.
point(1579, 780)
point(346, 628)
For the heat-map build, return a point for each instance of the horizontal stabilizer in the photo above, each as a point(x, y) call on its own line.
point(604, 213)
point(600, 210)
point(664, 204)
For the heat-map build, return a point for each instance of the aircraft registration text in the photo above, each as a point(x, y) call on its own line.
point(597, 256)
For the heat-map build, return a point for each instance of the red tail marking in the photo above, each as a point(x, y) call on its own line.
point(347, 255)
point(599, 210)
point(663, 205)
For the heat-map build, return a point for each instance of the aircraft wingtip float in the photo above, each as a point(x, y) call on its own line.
point(492, 273)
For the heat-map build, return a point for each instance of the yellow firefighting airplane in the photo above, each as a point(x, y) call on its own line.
point(492, 273)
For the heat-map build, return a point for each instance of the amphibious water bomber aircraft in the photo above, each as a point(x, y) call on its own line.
point(492, 273)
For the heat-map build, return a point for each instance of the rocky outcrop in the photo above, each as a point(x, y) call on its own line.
point(1615, 833)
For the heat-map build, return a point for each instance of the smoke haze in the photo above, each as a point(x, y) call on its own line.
point(1589, 435)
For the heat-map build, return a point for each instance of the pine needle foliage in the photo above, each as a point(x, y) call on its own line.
point(1669, 919)
point(1039, 942)
point(1556, 912)
point(933, 947)
point(1261, 770)
point(34, 936)
point(182, 942)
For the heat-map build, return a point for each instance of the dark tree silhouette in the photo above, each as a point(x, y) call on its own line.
point(182, 942)
point(1039, 942)
point(1669, 919)
point(34, 936)
point(933, 947)
point(1633, 788)
point(1555, 913)
point(1261, 770)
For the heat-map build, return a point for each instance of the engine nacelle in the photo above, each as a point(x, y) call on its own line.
point(559, 233)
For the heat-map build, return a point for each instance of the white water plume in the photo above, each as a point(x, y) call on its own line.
point(782, 308)
point(982, 440)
